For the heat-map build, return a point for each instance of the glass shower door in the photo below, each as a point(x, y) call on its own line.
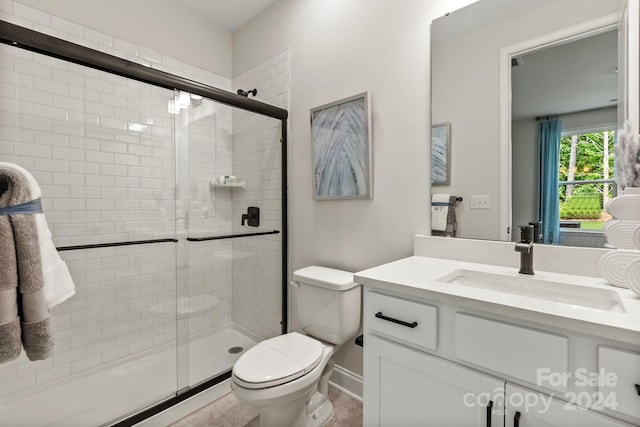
point(230, 274)
point(101, 148)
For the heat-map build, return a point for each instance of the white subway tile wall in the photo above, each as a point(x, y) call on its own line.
point(257, 302)
point(115, 165)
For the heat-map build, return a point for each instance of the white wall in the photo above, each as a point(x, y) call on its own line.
point(340, 48)
point(160, 25)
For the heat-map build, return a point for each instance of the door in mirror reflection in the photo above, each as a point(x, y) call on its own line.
point(575, 84)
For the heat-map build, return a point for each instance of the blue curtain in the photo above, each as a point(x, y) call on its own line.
point(549, 132)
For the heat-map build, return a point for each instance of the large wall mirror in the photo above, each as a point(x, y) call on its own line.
point(500, 69)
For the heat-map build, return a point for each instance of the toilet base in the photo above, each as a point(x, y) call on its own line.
point(314, 412)
point(323, 411)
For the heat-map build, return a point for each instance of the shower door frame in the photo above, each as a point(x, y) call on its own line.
point(25, 38)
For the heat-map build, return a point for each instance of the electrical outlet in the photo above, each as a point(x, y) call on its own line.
point(480, 202)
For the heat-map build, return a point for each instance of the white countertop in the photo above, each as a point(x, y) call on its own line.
point(418, 276)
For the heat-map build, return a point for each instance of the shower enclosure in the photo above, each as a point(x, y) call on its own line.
point(172, 286)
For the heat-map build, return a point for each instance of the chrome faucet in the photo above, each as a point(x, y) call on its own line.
point(525, 247)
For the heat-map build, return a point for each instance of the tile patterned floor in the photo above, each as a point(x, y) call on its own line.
point(229, 412)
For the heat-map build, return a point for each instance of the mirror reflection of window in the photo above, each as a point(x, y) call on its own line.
point(585, 178)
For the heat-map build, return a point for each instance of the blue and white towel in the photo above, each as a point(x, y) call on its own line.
point(33, 278)
point(443, 215)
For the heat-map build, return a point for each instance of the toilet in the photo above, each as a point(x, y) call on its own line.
point(287, 376)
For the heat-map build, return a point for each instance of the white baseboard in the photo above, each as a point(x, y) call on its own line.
point(347, 381)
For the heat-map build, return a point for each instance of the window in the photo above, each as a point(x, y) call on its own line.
point(586, 178)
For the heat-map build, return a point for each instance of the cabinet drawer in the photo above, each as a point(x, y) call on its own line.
point(625, 386)
point(403, 319)
point(513, 350)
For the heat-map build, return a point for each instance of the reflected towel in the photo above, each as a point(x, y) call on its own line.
point(440, 206)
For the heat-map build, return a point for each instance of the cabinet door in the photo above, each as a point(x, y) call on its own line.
point(405, 387)
point(528, 408)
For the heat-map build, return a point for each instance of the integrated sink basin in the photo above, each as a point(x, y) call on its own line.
point(565, 293)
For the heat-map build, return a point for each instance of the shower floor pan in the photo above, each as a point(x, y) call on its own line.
point(102, 396)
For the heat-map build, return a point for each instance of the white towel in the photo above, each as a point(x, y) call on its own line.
point(636, 237)
point(619, 233)
point(439, 211)
point(632, 276)
point(58, 284)
point(625, 207)
point(613, 264)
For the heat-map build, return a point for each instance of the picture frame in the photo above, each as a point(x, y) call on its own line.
point(440, 153)
point(341, 149)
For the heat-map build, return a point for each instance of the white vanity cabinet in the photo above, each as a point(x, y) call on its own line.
point(406, 387)
point(428, 363)
point(544, 410)
point(626, 387)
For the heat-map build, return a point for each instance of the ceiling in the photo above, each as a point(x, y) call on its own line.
point(479, 15)
point(229, 14)
point(570, 77)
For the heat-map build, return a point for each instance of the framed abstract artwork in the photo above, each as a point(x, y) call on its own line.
point(440, 153)
point(341, 149)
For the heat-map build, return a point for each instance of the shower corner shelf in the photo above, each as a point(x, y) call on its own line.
point(241, 184)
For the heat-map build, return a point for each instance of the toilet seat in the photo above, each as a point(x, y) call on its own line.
point(277, 361)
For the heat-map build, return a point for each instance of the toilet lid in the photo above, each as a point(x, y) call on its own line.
point(277, 360)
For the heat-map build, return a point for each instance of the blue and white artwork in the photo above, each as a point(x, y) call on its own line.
point(440, 154)
point(341, 144)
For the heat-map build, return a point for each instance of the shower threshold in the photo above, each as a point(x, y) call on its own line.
point(101, 396)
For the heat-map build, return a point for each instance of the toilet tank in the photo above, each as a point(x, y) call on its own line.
point(328, 303)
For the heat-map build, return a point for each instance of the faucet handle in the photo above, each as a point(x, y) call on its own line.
point(252, 217)
point(537, 227)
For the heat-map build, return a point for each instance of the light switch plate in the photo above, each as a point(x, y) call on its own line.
point(480, 202)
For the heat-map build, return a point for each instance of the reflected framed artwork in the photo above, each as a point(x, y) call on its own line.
point(440, 153)
point(341, 149)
